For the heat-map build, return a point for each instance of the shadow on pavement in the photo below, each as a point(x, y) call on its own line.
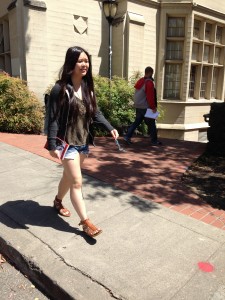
point(29, 212)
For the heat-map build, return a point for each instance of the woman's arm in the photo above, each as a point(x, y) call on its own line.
point(53, 122)
point(101, 120)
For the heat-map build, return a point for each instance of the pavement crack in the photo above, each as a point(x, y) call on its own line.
point(81, 272)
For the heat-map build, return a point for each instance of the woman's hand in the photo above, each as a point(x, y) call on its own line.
point(115, 134)
point(55, 153)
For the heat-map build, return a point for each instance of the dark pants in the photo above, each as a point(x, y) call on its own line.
point(140, 116)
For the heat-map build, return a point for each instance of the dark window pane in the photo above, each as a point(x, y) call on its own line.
point(192, 81)
point(176, 27)
point(172, 81)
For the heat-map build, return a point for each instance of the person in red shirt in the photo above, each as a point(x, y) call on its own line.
point(145, 97)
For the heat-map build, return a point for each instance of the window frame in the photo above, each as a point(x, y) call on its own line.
point(211, 55)
point(5, 53)
point(173, 36)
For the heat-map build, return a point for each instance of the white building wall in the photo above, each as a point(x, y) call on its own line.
point(217, 5)
point(36, 50)
point(70, 24)
point(143, 46)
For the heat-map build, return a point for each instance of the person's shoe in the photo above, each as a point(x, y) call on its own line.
point(127, 140)
point(57, 204)
point(157, 143)
point(89, 228)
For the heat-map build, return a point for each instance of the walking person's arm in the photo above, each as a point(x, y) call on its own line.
point(150, 95)
point(101, 120)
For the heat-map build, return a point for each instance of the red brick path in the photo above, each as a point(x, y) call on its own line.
point(153, 173)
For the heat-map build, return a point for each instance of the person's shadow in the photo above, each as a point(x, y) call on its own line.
point(28, 212)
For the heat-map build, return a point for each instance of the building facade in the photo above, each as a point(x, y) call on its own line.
point(183, 40)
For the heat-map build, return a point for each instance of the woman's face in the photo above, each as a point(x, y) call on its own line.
point(81, 66)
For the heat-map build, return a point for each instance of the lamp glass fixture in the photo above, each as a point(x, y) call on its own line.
point(110, 8)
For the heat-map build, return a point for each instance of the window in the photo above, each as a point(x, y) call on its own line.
point(204, 82)
point(174, 57)
point(5, 58)
point(214, 83)
point(219, 32)
point(208, 31)
point(174, 50)
point(1, 39)
point(175, 27)
point(192, 82)
point(172, 81)
point(206, 53)
point(196, 31)
point(195, 51)
point(217, 55)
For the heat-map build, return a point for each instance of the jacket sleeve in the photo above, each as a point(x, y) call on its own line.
point(101, 120)
point(53, 125)
point(150, 93)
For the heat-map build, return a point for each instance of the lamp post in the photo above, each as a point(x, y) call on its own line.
point(110, 10)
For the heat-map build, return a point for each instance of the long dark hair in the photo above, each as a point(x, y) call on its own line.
point(87, 85)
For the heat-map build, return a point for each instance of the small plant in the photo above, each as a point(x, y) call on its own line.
point(115, 100)
point(21, 111)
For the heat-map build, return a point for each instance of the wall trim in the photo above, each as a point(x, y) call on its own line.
point(149, 3)
point(136, 18)
point(183, 126)
point(191, 102)
point(208, 11)
point(12, 5)
point(39, 5)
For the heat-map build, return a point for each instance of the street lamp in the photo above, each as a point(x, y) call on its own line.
point(110, 10)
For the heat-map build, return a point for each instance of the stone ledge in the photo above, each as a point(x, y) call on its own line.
point(12, 5)
point(183, 126)
point(40, 5)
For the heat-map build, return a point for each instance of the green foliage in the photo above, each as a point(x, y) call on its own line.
point(21, 111)
point(115, 100)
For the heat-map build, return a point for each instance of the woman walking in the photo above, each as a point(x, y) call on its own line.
point(73, 109)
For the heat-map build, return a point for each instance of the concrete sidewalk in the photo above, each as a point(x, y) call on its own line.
point(146, 251)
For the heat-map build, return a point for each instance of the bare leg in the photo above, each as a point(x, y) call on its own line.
point(73, 178)
point(64, 186)
point(72, 169)
point(62, 190)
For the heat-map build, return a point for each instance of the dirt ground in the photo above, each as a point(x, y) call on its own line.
point(206, 177)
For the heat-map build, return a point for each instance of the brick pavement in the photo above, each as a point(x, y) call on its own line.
point(153, 173)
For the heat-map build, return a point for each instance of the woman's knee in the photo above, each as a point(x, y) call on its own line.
point(76, 183)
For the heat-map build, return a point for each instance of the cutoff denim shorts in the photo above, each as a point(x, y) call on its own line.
point(72, 151)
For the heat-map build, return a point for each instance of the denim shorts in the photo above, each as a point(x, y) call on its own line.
point(74, 150)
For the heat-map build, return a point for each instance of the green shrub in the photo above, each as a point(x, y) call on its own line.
point(21, 111)
point(115, 100)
